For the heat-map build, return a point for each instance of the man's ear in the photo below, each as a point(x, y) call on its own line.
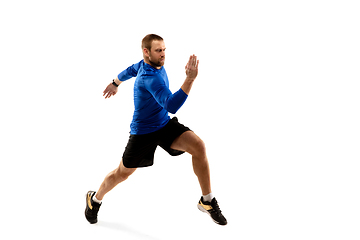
point(146, 52)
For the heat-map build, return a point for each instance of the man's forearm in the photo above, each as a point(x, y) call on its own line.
point(175, 101)
point(117, 81)
point(130, 72)
point(186, 87)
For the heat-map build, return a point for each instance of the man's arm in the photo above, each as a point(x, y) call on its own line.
point(128, 73)
point(162, 94)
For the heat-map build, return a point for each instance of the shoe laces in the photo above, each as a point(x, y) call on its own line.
point(215, 206)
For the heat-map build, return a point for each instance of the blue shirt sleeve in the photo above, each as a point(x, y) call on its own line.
point(130, 72)
point(162, 94)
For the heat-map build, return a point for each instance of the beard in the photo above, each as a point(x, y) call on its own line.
point(158, 62)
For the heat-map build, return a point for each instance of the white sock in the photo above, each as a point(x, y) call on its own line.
point(96, 200)
point(208, 198)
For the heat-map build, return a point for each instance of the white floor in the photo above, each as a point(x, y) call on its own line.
point(276, 102)
point(260, 199)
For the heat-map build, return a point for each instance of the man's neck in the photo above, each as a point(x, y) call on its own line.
point(151, 64)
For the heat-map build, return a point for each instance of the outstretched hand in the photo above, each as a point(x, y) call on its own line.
point(110, 90)
point(191, 67)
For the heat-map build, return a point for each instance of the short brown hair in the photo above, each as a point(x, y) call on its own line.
point(148, 39)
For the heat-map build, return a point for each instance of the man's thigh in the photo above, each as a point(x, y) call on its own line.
point(187, 142)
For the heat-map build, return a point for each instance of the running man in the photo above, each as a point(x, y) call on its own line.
point(151, 127)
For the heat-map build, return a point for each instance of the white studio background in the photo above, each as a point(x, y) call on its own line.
point(276, 102)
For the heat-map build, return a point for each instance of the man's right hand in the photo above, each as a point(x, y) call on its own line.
point(191, 68)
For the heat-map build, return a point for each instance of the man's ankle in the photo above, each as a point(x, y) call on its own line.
point(208, 197)
point(96, 200)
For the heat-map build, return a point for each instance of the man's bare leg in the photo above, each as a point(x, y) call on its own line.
point(191, 143)
point(115, 177)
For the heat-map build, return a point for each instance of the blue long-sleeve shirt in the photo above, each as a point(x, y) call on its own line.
point(153, 99)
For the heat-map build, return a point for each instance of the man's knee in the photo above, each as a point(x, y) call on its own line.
point(122, 173)
point(121, 176)
point(199, 148)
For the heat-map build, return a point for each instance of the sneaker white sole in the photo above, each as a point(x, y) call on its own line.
point(201, 208)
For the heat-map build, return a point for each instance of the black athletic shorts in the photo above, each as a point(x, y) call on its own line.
point(140, 149)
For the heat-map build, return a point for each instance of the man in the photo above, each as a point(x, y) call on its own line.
point(151, 127)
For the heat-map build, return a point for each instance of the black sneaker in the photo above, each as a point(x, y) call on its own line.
point(92, 208)
point(212, 208)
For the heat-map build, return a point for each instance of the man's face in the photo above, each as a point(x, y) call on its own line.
point(157, 53)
